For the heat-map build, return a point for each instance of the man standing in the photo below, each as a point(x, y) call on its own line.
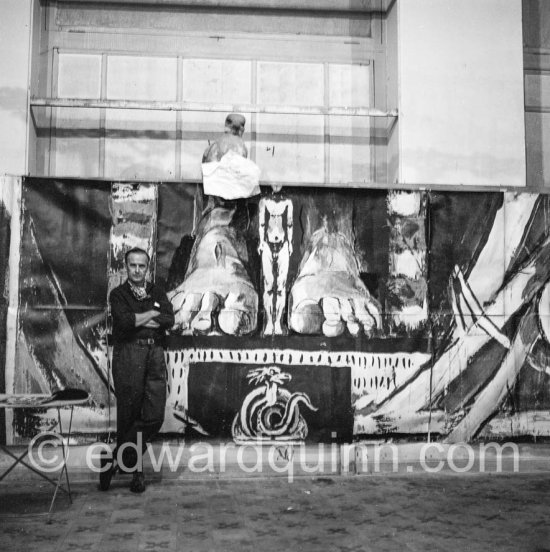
point(141, 313)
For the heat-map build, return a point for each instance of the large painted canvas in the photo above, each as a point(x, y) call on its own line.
point(406, 312)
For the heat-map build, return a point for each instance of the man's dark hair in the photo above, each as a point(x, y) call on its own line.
point(136, 250)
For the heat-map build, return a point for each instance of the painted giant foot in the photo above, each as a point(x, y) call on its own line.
point(328, 294)
point(217, 292)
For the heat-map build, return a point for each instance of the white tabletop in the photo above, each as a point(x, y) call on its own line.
point(36, 401)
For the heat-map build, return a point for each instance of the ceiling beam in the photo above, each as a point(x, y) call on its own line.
point(361, 6)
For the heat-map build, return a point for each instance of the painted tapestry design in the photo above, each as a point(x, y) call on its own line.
point(435, 304)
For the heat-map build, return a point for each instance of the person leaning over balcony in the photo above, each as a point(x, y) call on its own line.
point(141, 315)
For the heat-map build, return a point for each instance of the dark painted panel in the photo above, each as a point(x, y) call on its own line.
point(71, 222)
point(217, 391)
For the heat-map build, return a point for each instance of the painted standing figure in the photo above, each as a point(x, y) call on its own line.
point(275, 248)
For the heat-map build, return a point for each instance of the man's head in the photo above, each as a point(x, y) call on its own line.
point(234, 123)
point(137, 261)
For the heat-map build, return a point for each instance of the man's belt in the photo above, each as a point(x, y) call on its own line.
point(149, 341)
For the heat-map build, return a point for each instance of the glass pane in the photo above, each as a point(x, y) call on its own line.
point(291, 148)
point(140, 144)
point(350, 149)
point(216, 81)
point(350, 137)
point(296, 84)
point(349, 85)
point(210, 81)
point(79, 76)
point(537, 135)
point(77, 142)
point(141, 78)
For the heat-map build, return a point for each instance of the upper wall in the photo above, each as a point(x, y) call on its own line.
point(461, 109)
point(15, 30)
point(295, 64)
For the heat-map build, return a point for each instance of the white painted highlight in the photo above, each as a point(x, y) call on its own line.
point(405, 204)
point(469, 306)
point(533, 422)
point(408, 263)
point(518, 209)
point(14, 184)
point(492, 395)
point(129, 192)
point(410, 422)
point(412, 316)
point(501, 245)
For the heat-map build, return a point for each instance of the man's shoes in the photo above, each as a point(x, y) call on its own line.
point(138, 482)
point(108, 468)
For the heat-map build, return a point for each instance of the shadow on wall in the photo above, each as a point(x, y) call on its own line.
point(14, 100)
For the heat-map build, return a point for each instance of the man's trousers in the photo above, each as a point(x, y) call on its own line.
point(139, 375)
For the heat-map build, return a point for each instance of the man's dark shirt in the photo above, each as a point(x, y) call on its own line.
point(124, 307)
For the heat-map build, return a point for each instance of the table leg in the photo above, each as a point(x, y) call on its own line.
point(64, 465)
point(19, 460)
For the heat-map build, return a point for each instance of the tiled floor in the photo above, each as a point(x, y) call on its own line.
point(505, 512)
